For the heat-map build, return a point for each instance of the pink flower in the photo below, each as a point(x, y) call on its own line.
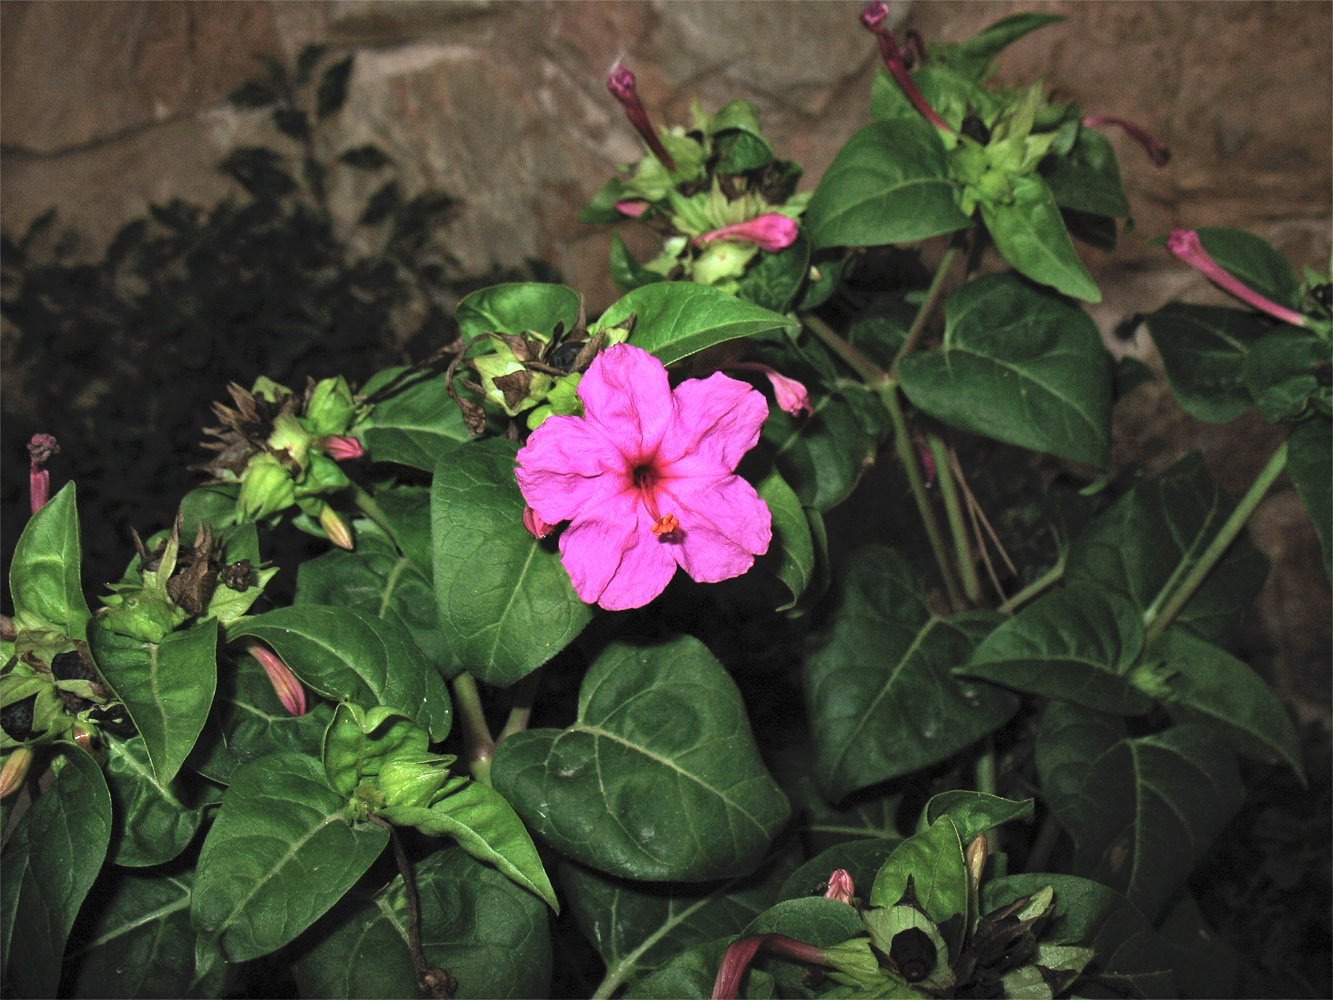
point(1186, 245)
point(741, 952)
point(620, 81)
point(341, 447)
point(40, 450)
point(633, 207)
point(285, 685)
point(840, 887)
point(790, 394)
point(771, 232)
point(646, 478)
point(873, 16)
point(1153, 146)
point(537, 528)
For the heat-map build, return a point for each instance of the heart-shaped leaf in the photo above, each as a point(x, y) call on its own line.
point(414, 423)
point(792, 557)
point(152, 824)
point(1030, 234)
point(878, 685)
point(1310, 465)
point(506, 604)
point(1019, 365)
point(674, 319)
point(281, 851)
point(1141, 810)
point(346, 655)
point(1203, 350)
point(972, 813)
point(517, 307)
point(44, 574)
point(1087, 179)
point(933, 861)
point(658, 778)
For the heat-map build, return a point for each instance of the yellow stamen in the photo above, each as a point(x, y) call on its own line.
point(665, 525)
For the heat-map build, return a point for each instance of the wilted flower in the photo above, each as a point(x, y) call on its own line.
point(771, 232)
point(285, 685)
point(1153, 146)
point(537, 528)
point(647, 479)
point(40, 450)
point(620, 81)
point(1186, 245)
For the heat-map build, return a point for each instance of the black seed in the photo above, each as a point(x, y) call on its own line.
point(16, 719)
point(914, 953)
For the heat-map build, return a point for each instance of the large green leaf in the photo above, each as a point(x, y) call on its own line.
point(822, 456)
point(486, 932)
point(674, 319)
point(1209, 685)
point(414, 423)
point(50, 861)
point(167, 688)
point(1019, 365)
point(44, 575)
point(1076, 645)
point(888, 184)
point(346, 655)
point(1087, 179)
point(281, 851)
point(1203, 350)
point(506, 604)
point(658, 778)
point(1030, 234)
point(1143, 545)
point(878, 685)
point(516, 308)
point(791, 556)
point(972, 813)
point(1254, 261)
point(933, 861)
point(1141, 810)
point(1310, 465)
point(973, 55)
point(153, 825)
point(141, 944)
point(486, 826)
point(1281, 372)
point(1131, 959)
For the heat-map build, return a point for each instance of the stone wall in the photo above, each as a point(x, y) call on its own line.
point(111, 106)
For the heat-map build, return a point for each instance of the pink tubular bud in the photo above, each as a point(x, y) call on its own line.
point(790, 394)
point(840, 887)
point(285, 685)
point(873, 16)
point(633, 207)
point(741, 952)
point(40, 450)
point(1155, 148)
point(620, 81)
point(341, 447)
point(770, 232)
point(537, 528)
point(1186, 245)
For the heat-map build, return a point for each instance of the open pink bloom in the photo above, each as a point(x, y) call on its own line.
point(873, 16)
point(646, 478)
point(790, 394)
point(285, 685)
point(1186, 245)
point(1155, 148)
point(771, 232)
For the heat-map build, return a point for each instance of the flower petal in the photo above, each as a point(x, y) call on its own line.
point(723, 526)
point(614, 560)
point(717, 421)
point(625, 394)
point(567, 467)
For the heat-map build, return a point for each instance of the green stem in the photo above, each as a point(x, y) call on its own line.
point(1047, 836)
point(525, 694)
point(986, 769)
point(923, 314)
point(367, 505)
point(1051, 576)
point(480, 748)
point(871, 373)
point(1159, 615)
point(967, 566)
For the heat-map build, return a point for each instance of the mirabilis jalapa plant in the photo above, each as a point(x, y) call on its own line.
point(988, 788)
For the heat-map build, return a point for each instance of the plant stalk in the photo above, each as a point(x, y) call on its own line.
point(871, 373)
point(923, 314)
point(967, 567)
point(430, 979)
point(480, 748)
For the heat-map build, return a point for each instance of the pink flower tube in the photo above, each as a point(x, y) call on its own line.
point(620, 81)
point(285, 685)
point(873, 16)
point(646, 478)
point(791, 395)
point(1186, 245)
point(741, 952)
point(770, 232)
point(1153, 146)
point(40, 450)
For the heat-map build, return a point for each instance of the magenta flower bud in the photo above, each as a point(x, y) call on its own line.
point(40, 450)
point(1186, 245)
point(873, 16)
point(285, 685)
point(341, 447)
point(1155, 148)
point(741, 952)
point(771, 232)
point(633, 207)
point(620, 81)
point(790, 394)
point(537, 528)
point(840, 887)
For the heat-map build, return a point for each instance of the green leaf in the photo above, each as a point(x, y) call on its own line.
point(141, 944)
point(414, 424)
point(44, 573)
point(152, 824)
point(488, 933)
point(822, 456)
point(973, 813)
point(1074, 645)
point(974, 55)
point(933, 860)
point(627, 273)
point(1205, 965)
point(888, 184)
point(674, 319)
point(1030, 234)
point(1310, 465)
point(1088, 178)
point(861, 859)
point(280, 853)
point(820, 922)
point(1211, 686)
point(506, 604)
point(659, 777)
point(1203, 350)
point(1255, 263)
point(486, 826)
point(774, 279)
point(1145, 543)
point(689, 975)
point(332, 90)
point(793, 548)
point(345, 654)
point(1141, 810)
point(878, 688)
point(1019, 365)
point(1131, 959)
point(739, 138)
point(517, 307)
point(1280, 373)
point(635, 927)
point(51, 860)
point(167, 688)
